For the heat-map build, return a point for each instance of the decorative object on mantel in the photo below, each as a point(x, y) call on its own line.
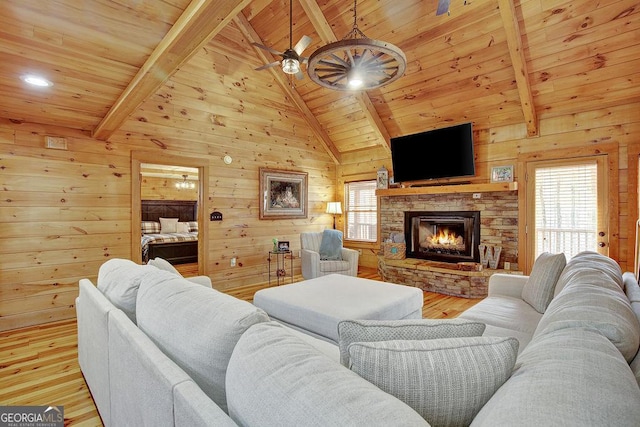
point(383, 178)
point(275, 244)
point(502, 173)
point(356, 62)
point(489, 255)
point(395, 247)
point(283, 194)
point(334, 208)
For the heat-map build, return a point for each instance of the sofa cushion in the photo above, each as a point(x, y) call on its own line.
point(276, 379)
point(350, 331)
point(196, 327)
point(589, 260)
point(119, 280)
point(569, 377)
point(539, 289)
point(331, 245)
point(631, 287)
point(588, 303)
point(447, 381)
point(504, 312)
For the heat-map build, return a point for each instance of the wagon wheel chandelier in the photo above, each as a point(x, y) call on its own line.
point(356, 62)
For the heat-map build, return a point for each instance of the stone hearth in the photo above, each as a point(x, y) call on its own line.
point(499, 227)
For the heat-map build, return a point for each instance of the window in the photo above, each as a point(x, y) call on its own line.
point(361, 210)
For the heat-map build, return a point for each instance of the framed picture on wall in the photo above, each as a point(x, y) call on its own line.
point(502, 174)
point(283, 194)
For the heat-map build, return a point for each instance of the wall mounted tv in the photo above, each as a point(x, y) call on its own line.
point(435, 154)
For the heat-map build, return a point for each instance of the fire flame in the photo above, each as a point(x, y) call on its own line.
point(444, 237)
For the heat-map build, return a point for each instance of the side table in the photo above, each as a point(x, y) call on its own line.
point(280, 258)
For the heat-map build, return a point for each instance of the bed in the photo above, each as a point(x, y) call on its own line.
point(180, 245)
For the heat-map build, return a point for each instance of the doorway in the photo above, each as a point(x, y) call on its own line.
point(174, 165)
point(568, 206)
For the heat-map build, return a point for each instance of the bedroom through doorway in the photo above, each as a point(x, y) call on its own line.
point(168, 211)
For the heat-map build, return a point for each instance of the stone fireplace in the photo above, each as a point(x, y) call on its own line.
point(450, 236)
point(497, 220)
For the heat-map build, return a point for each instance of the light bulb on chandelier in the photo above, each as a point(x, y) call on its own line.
point(184, 184)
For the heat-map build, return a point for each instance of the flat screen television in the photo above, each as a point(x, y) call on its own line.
point(435, 154)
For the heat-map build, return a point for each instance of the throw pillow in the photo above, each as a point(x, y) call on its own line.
point(182, 227)
point(331, 245)
point(165, 265)
point(539, 289)
point(168, 225)
point(350, 331)
point(447, 381)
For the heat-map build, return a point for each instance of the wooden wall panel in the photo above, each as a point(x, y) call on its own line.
point(63, 213)
point(584, 132)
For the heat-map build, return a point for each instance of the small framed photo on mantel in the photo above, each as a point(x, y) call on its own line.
point(502, 173)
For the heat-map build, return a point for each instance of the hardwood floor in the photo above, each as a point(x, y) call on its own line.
point(39, 364)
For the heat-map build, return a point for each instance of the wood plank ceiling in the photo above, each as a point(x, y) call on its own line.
point(491, 62)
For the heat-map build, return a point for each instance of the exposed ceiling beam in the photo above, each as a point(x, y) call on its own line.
point(252, 37)
point(514, 42)
point(197, 25)
point(327, 35)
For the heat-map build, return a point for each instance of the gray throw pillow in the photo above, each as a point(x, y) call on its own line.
point(539, 289)
point(350, 331)
point(331, 245)
point(447, 381)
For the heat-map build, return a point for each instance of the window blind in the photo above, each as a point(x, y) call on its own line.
point(361, 210)
point(566, 208)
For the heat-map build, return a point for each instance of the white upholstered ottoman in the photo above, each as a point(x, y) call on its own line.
point(316, 306)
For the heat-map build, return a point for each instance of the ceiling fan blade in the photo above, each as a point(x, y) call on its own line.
point(261, 46)
point(304, 42)
point(300, 75)
point(443, 7)
point(264, 67)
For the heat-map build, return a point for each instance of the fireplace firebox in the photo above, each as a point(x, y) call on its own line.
point(450, 236)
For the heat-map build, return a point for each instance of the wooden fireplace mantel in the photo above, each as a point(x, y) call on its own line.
point(441, 189)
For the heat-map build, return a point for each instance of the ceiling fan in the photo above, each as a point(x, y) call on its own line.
point(291, 58)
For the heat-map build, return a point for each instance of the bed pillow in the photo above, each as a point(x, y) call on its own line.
point(350, 331)
point(331, 245)
point(450, 379)
point(168, 225)
point(182, 227)
point(539, 289)
point(150, 227)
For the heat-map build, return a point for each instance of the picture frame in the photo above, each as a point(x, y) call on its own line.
point(502, 173)
point(284, 194)
point(283, 246)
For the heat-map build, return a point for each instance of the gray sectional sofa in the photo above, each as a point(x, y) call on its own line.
point(156, 349)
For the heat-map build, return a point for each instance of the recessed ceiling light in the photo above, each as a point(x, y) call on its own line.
point(34, 80)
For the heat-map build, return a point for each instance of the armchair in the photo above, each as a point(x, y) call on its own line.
point(313, 266)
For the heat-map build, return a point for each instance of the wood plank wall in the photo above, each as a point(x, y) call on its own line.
point(560, 137)
point(64, 213)
point(155, 188)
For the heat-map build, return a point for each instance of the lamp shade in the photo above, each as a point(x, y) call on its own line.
point(334, 208)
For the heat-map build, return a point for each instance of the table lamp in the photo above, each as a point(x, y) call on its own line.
point(334, 208)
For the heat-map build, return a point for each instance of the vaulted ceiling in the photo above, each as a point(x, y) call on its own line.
point(491, 62)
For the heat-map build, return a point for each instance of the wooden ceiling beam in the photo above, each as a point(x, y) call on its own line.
point(252, 37)
point(197, 25)
point(516, 52)
point(327, 35)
